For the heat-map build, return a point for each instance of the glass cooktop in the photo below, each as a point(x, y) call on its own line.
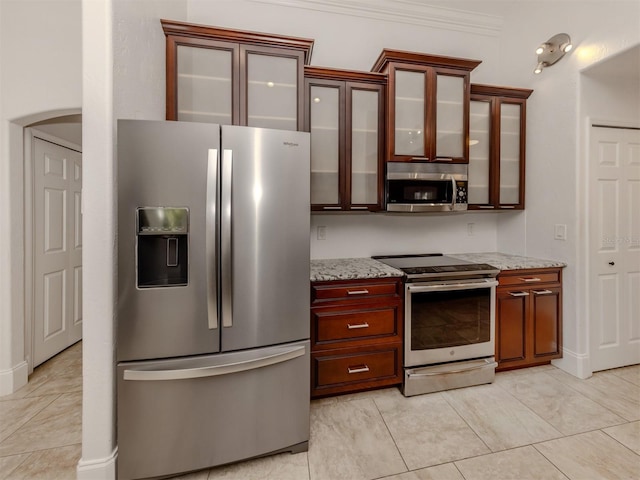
point(435, 264)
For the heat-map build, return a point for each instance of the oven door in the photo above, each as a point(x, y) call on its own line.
point(449, 320)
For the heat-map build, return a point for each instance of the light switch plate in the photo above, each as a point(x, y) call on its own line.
point(560, 231)
point(321, 233)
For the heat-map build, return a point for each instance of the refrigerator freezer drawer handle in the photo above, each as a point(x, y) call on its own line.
point(210, 239)
point(215, 370)
point(226, 238)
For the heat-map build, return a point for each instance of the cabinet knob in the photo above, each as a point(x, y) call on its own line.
point(612, 263)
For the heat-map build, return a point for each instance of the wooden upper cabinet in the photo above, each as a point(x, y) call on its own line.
point(497, 135)
point(345, 115)
point(234, 77)
point(427, 106)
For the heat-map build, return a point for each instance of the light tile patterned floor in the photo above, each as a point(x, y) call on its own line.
point(536, 423)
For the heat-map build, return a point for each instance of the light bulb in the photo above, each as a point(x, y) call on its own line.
point(539, 68)
point(567, 48)
point(539, 50)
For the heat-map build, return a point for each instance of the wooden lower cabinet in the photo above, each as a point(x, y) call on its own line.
point(356, 335)
point(528, 317)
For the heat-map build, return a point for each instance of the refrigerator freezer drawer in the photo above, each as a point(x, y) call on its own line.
point(187, 414)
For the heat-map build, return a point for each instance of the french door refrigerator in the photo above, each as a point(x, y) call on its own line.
point(213, 295)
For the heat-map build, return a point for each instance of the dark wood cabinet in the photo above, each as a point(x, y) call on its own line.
point(345, 115)
point(234, 77)
point(356, 335)
point(497, 141)
point(427, 106)
point(528, 317)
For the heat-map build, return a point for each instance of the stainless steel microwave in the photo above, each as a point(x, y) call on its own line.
point(425, 187)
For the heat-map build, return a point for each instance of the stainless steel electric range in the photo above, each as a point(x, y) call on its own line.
point(449, 314)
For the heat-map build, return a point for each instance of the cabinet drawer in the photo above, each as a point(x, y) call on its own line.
point(352, 291)
point(361, 367)
point(331, 326)
point(529, 278)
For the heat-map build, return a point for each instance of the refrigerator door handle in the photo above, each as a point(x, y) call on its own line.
point(226, 236)
point(210, 239)
point(281, 355)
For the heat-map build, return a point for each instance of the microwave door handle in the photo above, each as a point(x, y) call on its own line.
point(442, 287)
point(454, 193)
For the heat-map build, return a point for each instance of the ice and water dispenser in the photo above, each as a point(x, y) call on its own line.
point(162, 247)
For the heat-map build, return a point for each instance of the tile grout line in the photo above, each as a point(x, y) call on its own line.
point(392, 437)
point(597, 401)
point(618, 441)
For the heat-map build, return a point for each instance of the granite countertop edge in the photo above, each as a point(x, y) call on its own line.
point(505, 261)
point(367, 268)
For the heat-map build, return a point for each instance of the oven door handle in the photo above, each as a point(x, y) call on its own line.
point(487, 364)
point(439, 287)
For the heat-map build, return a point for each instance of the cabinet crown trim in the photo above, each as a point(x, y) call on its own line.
point(184, 29)
point(478, 89)
point(415, 58)
point(347, 75)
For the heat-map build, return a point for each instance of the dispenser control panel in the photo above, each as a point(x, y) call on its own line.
point(163, 220)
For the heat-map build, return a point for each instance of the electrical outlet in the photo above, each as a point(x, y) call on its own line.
point(470, 229)
point(560, 231)
point(321, 233)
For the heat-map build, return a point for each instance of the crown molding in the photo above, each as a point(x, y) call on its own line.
point(414, 12)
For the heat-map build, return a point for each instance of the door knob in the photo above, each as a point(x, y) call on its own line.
point(612, 263)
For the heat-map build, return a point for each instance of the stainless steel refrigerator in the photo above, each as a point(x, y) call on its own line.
point(213, 295)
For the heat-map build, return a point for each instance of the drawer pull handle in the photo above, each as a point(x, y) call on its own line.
point(358, 369)
point(357, 325)
point(542, 292)
point(530, 279)
point(519, 294)
point(364, 291)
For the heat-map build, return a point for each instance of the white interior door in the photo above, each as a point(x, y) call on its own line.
point(614, 231)
point(57, 260)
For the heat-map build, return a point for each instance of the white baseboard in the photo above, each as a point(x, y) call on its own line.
point(14, 379)
point(98, 469)
point(577, 364)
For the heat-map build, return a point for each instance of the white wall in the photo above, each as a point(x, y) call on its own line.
point(40, 77)
point(123, 77)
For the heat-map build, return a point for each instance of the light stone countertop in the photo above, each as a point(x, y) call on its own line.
point(363, 268)
point(350, 269)
point(505, 261)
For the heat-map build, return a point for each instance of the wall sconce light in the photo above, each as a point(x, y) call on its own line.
point(552, 50)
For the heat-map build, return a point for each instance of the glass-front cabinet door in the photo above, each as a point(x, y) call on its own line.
point(324, 112)
point(205, 83)
point(451, 122)
point(479, 173)
point(271, 83)
point(233, 77)
point(497, 147)
point(510, 153)
point(365, 151)
point(345, 115)
point(427, 105)
point(409, 118)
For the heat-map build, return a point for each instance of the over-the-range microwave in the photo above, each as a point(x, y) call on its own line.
point(425, 187)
